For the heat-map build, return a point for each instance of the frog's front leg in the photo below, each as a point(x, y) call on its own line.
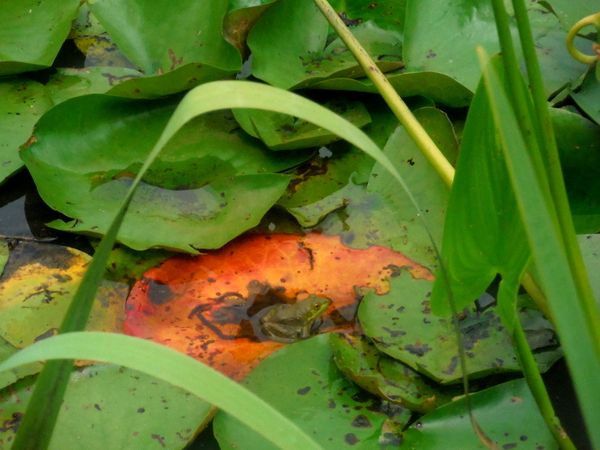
point(280, 333)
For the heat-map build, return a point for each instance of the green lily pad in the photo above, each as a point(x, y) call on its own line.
point(438, 87)
point(507, 414)
point(194, 53)
point(299, 54)
point(402, 325)
point(211, 183)
point(108, 406)
point(283, 132)
point(317, 396)
point(588, 97)
point(32, 33)
point(22, 103)
point(69, 83)
point(570, 12)
point(577, 139)
point(383, 215)
point(360, 360)
point(37, 286)
point(320, 186)
point(240, 19)
point(10, 376)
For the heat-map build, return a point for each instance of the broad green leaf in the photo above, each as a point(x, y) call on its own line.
point(189, 199)
point(384, 215)
point(331, 409)
point(575, 319)
point(37, 287)
point(285, 132)
point(192, 52)
point(361, 362)
point(483, 235)
point(108, 406)
point(442, 37)
point(402, 325)
point(299, 54)
point(588, 97)
point(175, 368)
point(321, 186)
point(8, 377)
point(239, 20)
point(3, 255)
point(577, 140)
point(69, 83)
point(436, 86)
point(32, 33)
point(571, 12)
point(22, 103)
point(507, 414)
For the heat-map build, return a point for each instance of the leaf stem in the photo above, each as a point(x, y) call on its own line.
point(389, 94)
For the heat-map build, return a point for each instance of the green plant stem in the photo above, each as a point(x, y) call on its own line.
point(396, 104)
point(594, 20)
point(536, 385)
point(551, 161)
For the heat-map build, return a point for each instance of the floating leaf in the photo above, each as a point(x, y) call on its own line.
point(108, 406)
point(436, 86)
point(361, 361)
point(194, 53)
point(36, 289)
point(32, 33)
point(507, 414)
point(333, 410)
point(209, 306)
point(297, 55)
point(22, 103)
point(208, 185)
point(402, 325)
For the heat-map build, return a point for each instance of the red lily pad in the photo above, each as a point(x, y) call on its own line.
point(208, 306)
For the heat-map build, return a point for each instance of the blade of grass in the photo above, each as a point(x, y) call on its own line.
point(549, 255)
point(40, 417)
point(176, 368)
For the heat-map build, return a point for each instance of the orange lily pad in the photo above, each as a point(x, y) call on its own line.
point(208, 306)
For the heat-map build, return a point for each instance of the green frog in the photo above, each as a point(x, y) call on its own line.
point(290, 323)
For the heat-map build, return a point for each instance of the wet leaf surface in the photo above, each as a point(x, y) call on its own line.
point(32, 33)
point(402, 325)
point(211, 183)
point(107, 406)
point(10, 376)
point(507, 413)
point(360, 361)
point(209, 306)
point(302, 381)
point(22, 103)
point(36, 289)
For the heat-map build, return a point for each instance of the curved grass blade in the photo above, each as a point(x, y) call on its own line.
point(176, 368)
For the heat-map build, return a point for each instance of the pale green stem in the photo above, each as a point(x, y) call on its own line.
point(398, 107)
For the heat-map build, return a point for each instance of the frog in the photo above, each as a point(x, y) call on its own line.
point(291, 323)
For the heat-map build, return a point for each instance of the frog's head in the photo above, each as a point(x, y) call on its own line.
point(317, 306)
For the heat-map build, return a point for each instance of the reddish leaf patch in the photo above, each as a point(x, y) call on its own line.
point(209, 306)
